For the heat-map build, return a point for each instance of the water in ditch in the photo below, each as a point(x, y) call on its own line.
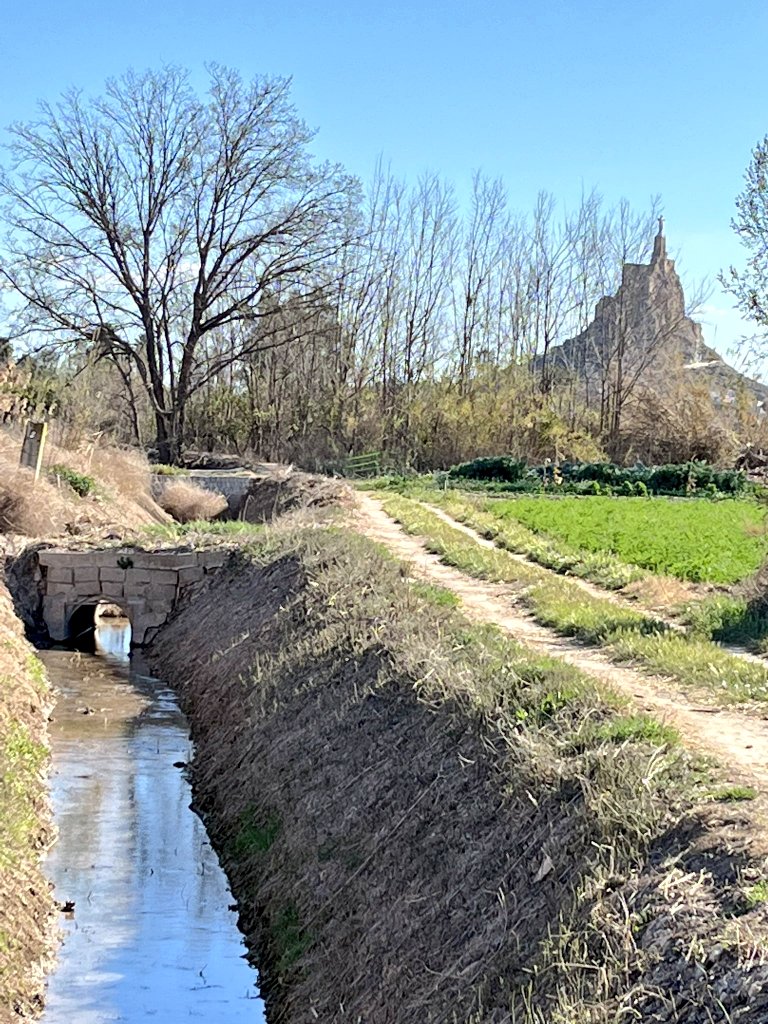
point(151, 935)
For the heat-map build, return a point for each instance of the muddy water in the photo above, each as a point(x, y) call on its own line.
point(151, 935)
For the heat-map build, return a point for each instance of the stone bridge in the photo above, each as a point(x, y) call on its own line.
point(145, 584)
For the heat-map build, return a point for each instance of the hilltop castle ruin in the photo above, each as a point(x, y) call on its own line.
point(642, 334)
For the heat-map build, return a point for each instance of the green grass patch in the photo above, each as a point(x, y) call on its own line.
point(733, 794)
point(255, 834)
point(625, 634)
point(637, 729)
point(757, 894)
point(79, 482)
point(441, 597)
point(233, 529)
point(289, 938)
point(701, 541)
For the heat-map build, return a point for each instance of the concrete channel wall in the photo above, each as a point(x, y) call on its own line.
point(145, 584)
point(233, 485)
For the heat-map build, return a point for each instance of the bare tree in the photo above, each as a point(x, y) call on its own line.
point(480, 256)
point(168, 218)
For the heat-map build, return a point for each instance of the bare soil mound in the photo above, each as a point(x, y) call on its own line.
point(286, 489)
point(418, 828)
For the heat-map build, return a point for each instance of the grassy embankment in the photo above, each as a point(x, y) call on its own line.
point(624, 633)
point(419, 813)
point(25, 830)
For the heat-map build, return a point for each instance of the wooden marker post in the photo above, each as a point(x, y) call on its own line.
point(32, 448)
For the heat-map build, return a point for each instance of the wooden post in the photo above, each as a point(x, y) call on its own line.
point(33, 446)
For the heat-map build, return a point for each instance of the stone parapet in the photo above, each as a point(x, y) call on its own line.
point(146, 584)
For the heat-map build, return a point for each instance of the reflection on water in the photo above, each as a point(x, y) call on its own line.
point(151, 936)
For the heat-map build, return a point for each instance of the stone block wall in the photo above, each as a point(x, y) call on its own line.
point(145, 584)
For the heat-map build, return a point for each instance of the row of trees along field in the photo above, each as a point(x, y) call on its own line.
point(185, 273)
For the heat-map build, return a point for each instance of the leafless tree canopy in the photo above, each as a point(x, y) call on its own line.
point(218, 286)
point(149, 218)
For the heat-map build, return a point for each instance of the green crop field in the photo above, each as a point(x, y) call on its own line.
point(701, 541)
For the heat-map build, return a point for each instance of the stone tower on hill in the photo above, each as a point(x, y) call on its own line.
point(641, 336)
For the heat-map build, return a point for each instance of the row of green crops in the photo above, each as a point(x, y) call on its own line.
point(687, 478)
point(719, 542)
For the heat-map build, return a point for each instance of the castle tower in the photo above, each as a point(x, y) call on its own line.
point(659, 244)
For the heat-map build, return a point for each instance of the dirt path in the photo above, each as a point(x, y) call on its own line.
point(592, 589)
point(736, 740)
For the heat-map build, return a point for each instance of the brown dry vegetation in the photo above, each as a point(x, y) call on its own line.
point(188, 502)
point(424, 823)
point(286, 489)
point(49, 507)
point(26, 904)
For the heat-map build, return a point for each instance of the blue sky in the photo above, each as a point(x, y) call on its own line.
point(634, 98)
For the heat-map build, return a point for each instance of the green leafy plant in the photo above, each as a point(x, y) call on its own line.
point(79, 482)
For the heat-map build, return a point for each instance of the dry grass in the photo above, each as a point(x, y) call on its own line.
point(25, 829)
point(122, 498)
point(420, 814)
point(29, 508)
point(187, 502)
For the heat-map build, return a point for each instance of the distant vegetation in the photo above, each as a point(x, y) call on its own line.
point(593, 478)
point(327, 320)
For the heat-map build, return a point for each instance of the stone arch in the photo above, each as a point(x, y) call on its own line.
point(147, 585)
point(81, 619)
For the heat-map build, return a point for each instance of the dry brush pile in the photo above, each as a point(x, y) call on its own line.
point(424, 823)
point(187, 502)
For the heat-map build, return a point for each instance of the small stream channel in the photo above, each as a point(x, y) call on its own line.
point(151, 935)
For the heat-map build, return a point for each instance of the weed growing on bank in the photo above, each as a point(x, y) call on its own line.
point(626, 634)
point(200, 531)
point(81, 483)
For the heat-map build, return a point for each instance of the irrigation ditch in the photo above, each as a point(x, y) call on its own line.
point(420, 819)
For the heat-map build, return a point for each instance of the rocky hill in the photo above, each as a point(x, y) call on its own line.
point(642, 334)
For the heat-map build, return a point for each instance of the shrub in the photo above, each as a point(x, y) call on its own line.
point(186, 501)
point(497, 467)
point(685, 478)
point(79, 482)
